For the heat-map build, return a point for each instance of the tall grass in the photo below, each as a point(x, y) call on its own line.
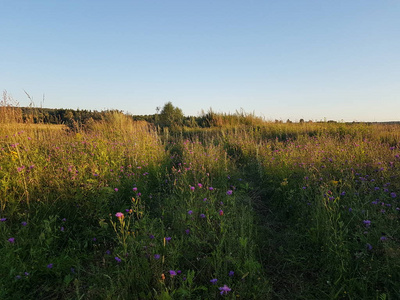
point(256, 210)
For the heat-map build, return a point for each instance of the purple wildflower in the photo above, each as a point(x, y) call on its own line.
point(172, 273)
point(229, 192)
point(224, 290)
point(190, 212)
point(24, 223)
point(367, 223)
point(157, 256)
point(214, 281)
point(202, 216)
point(383, 238)
point(11, 240)
point(231, 273)
point(50, 266)
point(211, 188)
point(393, 195)
point(117, 259)
point(3, 219)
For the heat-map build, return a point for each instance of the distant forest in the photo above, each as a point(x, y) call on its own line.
point(169, 116)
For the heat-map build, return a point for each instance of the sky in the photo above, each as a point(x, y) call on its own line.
point(279, 59)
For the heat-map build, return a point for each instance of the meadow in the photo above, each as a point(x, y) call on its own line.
point(243, 209)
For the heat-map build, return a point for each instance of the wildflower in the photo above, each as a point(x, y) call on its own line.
point(62, 228)
point(24, 223)
point(224, 290)
point(214, 281)
point(202, 216)
point(179, 271)
point(229, 192)
point(205, 199)
point(151, 236)
point(11, 240)
point(134, 189)
point(304, 187)
point(157, 256)
point(117, 259)
point(108, 252)
point(221, 212)
point(199, 185)
point(94, 239)
point(383, 238)
point(367, 223)
point(187, 231)
point(3, 219)
point(211, 188)
point(50, 266)
point(64, 220)
point(190, 212)
point(231, 273)
point(350, 209)
point(167, 239)
point(18, 277)
point(116, 189)
point(393, 195)
point(119, 215)
point(26, 274)
point(192, 188)
point(369, 247)
point(172, 273)
point(343, 193)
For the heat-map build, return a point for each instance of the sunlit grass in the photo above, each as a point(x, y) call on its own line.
point(256, 210)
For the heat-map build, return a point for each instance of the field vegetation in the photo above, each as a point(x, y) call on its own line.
point(229, 207)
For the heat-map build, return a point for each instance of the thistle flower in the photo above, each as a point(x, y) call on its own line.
point(224, 290)
point(119, 215)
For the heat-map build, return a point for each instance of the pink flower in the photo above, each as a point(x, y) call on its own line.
point(119, 215)
point(224, 290)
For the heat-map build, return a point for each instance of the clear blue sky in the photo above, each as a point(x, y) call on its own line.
point(334, 59)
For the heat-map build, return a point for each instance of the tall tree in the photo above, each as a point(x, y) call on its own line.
point(171, 115)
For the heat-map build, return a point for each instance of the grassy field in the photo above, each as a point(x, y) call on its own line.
point(237, 211)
